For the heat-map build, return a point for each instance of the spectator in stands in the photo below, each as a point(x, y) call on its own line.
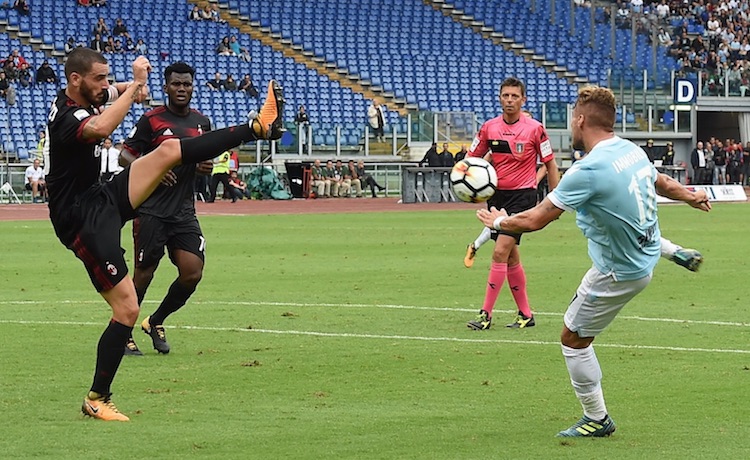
point(215, 14)
point(45, 74)
point(320, 183)
point(622, 19)
point(195, 14)
point(663, 11)
point(206, 13)
point(230, 84)
point(446, 157)
point(220, 174)
point(681, 28)
point(100, 28)
point(461, 154)
point(223, 48)
point(118, 47)
point(681, 46)
point(376, 118)
point(246, 85)
point(4, 84)
point(120, 29)
point(19, 62)
point(713, 28)
point(140, 47)
point(35, 182)
point(234, 45)
point(431, 157)
point(354, 179)
point(109, 46)
point(71, 44)
point(237, 187)
point(110, 164)
point(97, 44)
point(303, 121)
point(636, 7)
point(129, 46)
point(24, 76)
point(217, 84)
point(744, 48)
point(664, 38)
point(734, 77)
point(367, 178)
point(334, 179)
point(22, 6)
point(11, 73)
point(698, 162)
point(245, 55)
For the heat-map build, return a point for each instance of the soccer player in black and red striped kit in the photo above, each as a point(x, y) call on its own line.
point(88, 215)
point(167, 217)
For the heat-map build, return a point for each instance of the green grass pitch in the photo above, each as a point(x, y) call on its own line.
point(343, 336)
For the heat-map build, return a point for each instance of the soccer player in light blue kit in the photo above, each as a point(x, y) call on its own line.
point(613, 191)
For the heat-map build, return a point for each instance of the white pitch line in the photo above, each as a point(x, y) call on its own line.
point(390, 306)
point(396, 337)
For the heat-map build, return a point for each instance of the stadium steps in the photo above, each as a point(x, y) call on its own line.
point(508, 44)
point(27, 39)
point(295, 52)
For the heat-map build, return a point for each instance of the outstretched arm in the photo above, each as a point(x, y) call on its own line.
point(670, 188)
point(531, 220)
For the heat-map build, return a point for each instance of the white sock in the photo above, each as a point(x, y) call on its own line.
point(668, 248)
point(482, 238)
point(586, 378)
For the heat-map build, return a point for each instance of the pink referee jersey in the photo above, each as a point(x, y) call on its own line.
point(528, 141)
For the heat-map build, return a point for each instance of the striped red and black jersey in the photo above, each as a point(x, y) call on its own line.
point(153, 128)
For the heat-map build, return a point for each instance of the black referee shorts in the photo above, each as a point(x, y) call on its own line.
point(514, 201)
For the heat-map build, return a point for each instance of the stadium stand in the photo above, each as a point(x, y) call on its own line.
point(452, 66)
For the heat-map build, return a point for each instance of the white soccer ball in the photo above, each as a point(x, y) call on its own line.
point(473, 180)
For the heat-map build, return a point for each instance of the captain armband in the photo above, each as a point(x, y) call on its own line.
point(112, 93)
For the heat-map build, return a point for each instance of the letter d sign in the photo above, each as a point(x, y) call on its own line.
point(684, 91)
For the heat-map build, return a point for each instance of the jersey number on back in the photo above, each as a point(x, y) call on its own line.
point(647, 206)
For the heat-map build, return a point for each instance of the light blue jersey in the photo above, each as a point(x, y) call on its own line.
point(612, 191)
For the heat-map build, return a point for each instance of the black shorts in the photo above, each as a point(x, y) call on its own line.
point(151, 234)
point(91, 228)
point(514, 201)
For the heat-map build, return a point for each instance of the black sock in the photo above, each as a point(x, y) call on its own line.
point(141, 293)
point(213, 143)
point(109, 354)
point(176, 297)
